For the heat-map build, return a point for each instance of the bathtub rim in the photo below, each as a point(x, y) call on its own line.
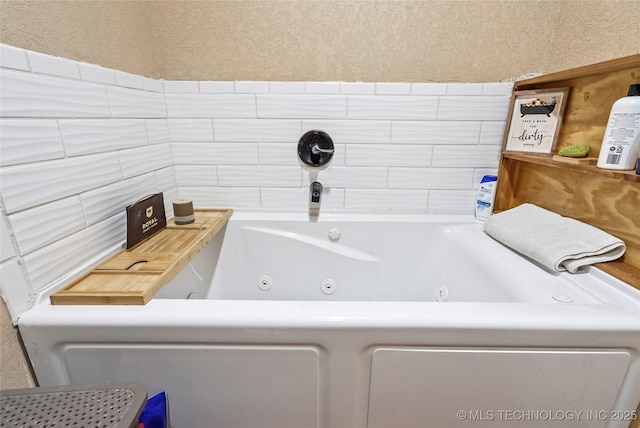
point(625, 290)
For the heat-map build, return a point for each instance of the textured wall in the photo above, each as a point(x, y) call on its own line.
point(401, 41)
point(13, 366)
point(594, 31)
point(350, 40)
point(117, 34)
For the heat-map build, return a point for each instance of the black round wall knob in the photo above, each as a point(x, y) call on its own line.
point(315, 148)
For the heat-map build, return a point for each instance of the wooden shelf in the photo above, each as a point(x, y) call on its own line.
point(134, 276)
point(606, 199)
point(588, 169)
point(601, 68)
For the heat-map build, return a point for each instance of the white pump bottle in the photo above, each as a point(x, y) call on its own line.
point(621, 143)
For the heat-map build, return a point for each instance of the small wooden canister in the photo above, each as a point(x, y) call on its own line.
point(183, 211)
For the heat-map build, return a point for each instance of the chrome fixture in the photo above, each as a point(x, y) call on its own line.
point(315, 148)
point(315, 193)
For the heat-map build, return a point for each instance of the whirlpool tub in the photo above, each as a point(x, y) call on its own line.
point(360, 321)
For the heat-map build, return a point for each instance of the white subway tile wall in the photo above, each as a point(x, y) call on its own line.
point(38, 96)
point(46, 224)
point(42, 142)
point(192, 105)
point(79, 142)
point(83, 137)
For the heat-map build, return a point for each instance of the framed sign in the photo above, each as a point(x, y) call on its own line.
point(535, 121)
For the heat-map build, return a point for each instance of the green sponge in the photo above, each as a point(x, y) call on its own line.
point(576, 151)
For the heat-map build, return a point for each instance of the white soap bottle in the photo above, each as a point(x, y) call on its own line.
point(621, 142)
point(486, 196)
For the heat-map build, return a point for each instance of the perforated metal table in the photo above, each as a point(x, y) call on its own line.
point(107, 405)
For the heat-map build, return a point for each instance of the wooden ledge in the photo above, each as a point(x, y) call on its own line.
point(134, 276)
point(622, 271)
point(603, 67)
point(575, 164)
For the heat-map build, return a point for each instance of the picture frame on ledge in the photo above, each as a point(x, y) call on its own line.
point(535, 120)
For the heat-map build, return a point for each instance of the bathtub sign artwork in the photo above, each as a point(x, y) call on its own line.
point(535, 121)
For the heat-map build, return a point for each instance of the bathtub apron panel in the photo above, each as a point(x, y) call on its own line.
point(229, 386)
point(493, 388)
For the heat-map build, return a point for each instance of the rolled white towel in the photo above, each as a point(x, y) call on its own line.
point(556, 242)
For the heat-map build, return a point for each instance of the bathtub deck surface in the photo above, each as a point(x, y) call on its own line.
point(134, 276)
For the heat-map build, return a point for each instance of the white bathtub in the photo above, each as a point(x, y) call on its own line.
point(403, 321)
